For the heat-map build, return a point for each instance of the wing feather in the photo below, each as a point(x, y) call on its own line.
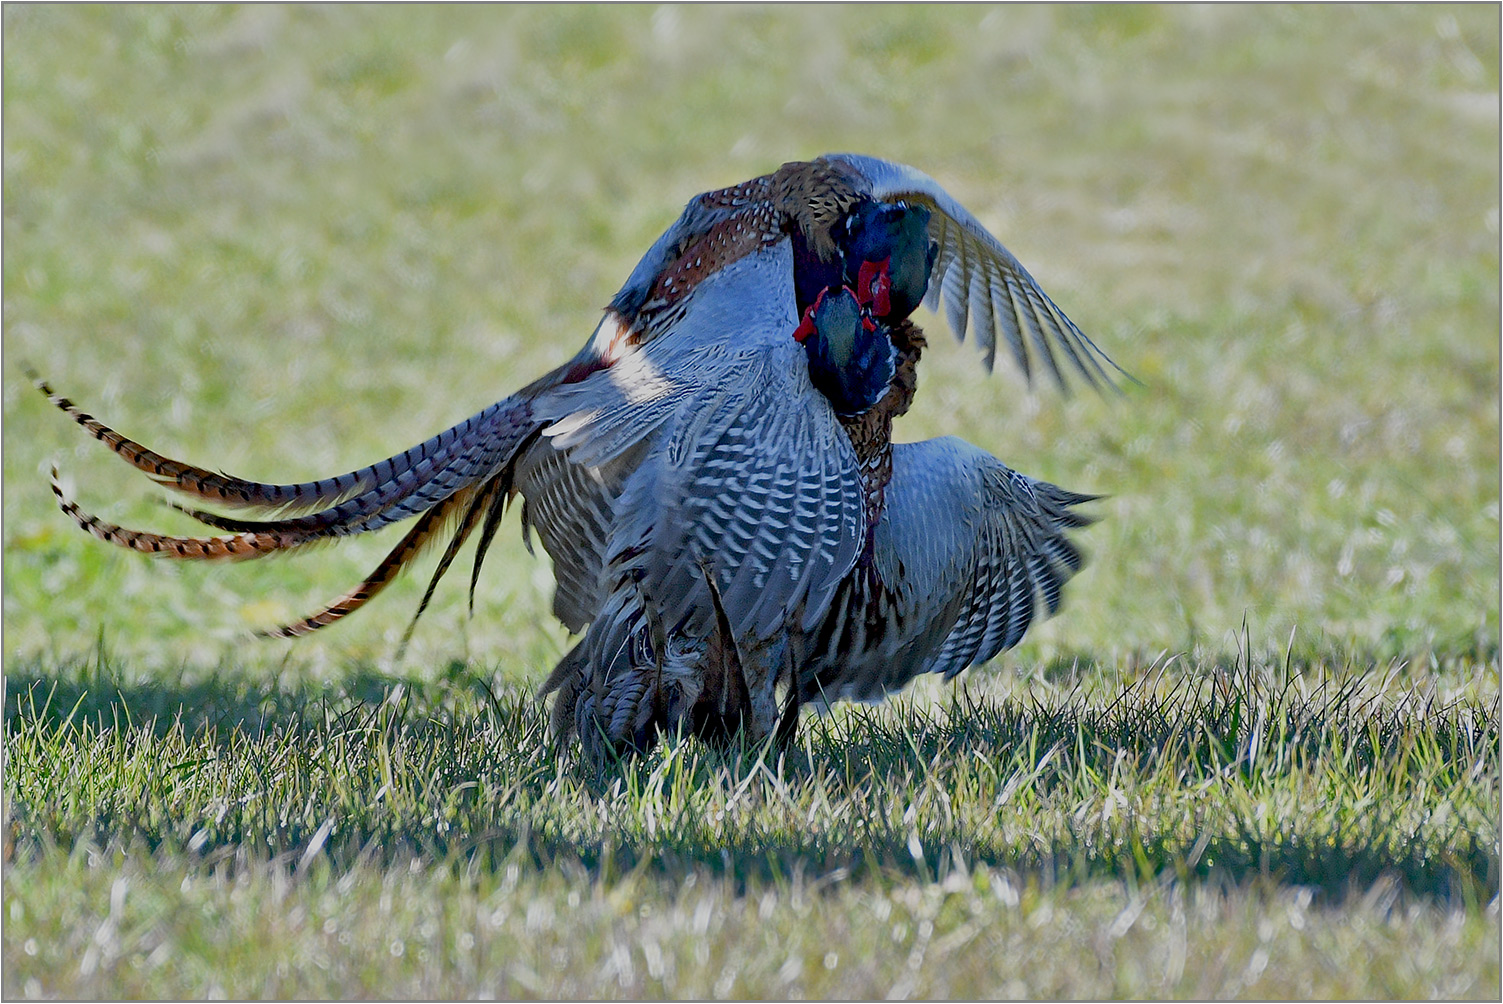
point(758, 481)
point(1005, 292)
point(983, 552)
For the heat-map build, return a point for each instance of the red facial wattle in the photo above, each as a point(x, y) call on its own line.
point(874, 286)
point(805, 327)
point(877, 299)
point(806, 324)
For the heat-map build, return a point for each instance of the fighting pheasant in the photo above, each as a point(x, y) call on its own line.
point(713, 474)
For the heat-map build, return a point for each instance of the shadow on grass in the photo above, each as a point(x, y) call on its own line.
point(1469, 873)
point(1464, 874)
point(221, 701)
point(382, 770)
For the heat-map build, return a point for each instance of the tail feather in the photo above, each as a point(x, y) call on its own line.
point(477, 457)
point(413, 491)
point(477, 504)
point(238, 546)
point(221, 522)
point(354, 502)
point(423, 534)
point(223, 488)
point(463, 474)
point(426, 484)
point(502, 452)
point(487, 534)
point(499, 499)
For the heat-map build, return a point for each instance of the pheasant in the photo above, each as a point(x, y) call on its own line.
point(720, 496)
point(947, 576)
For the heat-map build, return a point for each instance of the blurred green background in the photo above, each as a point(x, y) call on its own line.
point(288, 241)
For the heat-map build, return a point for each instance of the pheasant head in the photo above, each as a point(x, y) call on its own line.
point(851, 358)
point(888, 256)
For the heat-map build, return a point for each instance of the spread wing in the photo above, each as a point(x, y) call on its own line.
point(967, 528)
point(982, 287)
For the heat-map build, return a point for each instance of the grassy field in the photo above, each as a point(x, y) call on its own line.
point(1256, 754)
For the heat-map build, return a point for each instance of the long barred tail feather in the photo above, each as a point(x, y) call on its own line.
point(477, 504)
point(488, 499)
point(222, 522)
point(426, 484)
point(394, 489)
point(409, 493)
point(422, 535)
point(464, 475)
point(499, 500)
point(226, 489)
point(235, 547)
point(398, 488)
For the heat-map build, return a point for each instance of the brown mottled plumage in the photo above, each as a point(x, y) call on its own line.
point(810, 197)
point(815, 197)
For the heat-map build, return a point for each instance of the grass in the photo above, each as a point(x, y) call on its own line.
point(1257, 754)
point(1294, 817)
